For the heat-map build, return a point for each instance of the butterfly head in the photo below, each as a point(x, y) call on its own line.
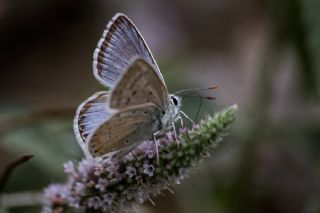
point(175, 105)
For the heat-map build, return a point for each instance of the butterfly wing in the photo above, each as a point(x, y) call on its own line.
point(123, 131)
point(139, 85)
point(90, 114)
point(120, 42)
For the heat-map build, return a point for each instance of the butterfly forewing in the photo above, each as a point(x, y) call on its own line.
point(90, 114)
point(124, 131)
point(121, 41)
point(139, 85)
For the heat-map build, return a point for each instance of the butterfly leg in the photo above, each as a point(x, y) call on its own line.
point(175, 131)
point(176, 135)
point(156, 143)
point(181, 121)
point(186, 116)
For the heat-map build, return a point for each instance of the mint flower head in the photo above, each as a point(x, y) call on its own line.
point(119, 186)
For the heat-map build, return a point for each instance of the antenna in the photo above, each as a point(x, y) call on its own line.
point(187, 92)
point(195, 93)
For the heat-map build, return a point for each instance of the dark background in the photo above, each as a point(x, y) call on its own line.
point(262, 54)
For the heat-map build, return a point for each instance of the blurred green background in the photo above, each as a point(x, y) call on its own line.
point(263, 55)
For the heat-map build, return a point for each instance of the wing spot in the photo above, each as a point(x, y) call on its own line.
point(127, 141)
point(150, 93)
point(163, 112)
point(134, 93)
point(133, 111)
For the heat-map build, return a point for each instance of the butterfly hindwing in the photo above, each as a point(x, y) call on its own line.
point(120, 42)
point(123, 131)
point(90, 114)
point(139, 85)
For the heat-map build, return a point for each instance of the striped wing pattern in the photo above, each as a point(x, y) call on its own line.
point(91, 114)
point(120, 42)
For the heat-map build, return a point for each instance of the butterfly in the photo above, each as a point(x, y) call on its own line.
point(110, 124)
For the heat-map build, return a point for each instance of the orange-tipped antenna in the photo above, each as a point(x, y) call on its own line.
point(213, 87)
point(195, 93)
point(188, 92)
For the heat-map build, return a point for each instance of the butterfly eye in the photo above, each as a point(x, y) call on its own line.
point(174, 100)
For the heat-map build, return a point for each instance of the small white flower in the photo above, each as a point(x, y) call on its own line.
point(148, 169)
point(79, 187)
point(102, 184)
point(108, 198)
point(68, 167)
point(131, 171)
point(94, 202)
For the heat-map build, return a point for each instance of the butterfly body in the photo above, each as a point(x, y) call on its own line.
point(138, 107)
